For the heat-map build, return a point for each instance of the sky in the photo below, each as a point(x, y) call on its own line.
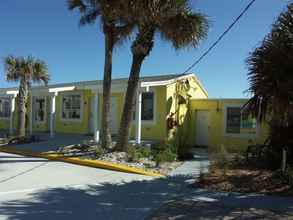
point(47, 30)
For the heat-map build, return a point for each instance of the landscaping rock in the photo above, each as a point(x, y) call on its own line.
point(147, 162)
point(93, 151)
point(115, 157)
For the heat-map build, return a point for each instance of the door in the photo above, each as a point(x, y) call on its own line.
point(113, 116)
point(202, 128)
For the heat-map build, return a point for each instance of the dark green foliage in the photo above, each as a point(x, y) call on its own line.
point(100, 151)
point(271, 84)
point(165, 156)
point(165, 152)
point(135, 153)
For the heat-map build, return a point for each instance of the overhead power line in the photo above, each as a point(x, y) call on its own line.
point(220, 38)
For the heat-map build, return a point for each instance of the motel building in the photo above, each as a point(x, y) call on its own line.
point(167, 107)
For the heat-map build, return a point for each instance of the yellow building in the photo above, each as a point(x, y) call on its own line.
point(168, 107)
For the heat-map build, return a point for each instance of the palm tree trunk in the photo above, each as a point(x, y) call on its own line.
point(141, 48)
point(22, 97)
point(106, 134)
point(129, 103)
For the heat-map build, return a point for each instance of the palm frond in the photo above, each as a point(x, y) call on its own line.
point(174, 20)
point(89, 10)
point(185, 29)
point(270, 68)
point(27, 69)
point(11, 67)
point(40, 72)
point(79, 4)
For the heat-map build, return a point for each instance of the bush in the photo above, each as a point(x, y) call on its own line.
point(145, 151)
point(99, 151)
point(135, 153)
point(165, 156)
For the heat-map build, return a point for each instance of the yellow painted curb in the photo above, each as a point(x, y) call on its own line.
point(85, 162)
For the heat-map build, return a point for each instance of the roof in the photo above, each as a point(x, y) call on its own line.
point(143, 79)
point(154, 80)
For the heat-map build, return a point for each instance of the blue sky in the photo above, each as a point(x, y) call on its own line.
point(47, 30)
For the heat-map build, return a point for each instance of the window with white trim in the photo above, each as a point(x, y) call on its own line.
point(40, 109)
point(71, 106)
point(5, 108)
point(147, 107)
point(239, 122)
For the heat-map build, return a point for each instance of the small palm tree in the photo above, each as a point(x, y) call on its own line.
point(25, 71)
point(176, 23)
point(115, 30)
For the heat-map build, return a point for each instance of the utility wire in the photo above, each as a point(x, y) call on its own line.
point(220, 38)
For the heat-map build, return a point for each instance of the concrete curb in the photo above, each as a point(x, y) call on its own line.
point(78, 161)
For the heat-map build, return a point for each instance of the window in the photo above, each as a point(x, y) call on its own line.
point(71, 107)
point(147, 107)
point(40, 109)
point(238, 122)
point(4, 108)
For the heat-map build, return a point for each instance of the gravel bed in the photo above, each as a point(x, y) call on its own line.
point(88, 152)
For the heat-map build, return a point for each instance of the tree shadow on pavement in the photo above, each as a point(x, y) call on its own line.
point(128, 200)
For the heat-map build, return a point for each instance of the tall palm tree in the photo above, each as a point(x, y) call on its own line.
point(177, 23)
point(115, 30)
point(25, 71)
point(271, 81)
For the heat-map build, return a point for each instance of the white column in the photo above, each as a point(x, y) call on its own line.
point(12, 110)
point(138, 116)
point(52, 114)
point(96, 117)
point(31, 115)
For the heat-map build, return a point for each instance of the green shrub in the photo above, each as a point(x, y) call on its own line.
point(165, 156)
point(145, 152)
point(135, 153)
point(165, 145)
point(99, 151)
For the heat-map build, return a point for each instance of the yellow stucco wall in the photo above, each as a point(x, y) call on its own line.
point(155, 130)
point(74, 126)
point(5, 122)
point(167, 102)
point(216, 123)
point(119, 97)
point(182, 111)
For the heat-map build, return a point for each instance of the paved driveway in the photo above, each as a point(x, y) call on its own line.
point(34, 189)
point(52, 144)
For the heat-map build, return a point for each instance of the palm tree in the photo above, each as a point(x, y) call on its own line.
point(115, 31)
point(271, 81)
point(175, 22)
point(25, 71)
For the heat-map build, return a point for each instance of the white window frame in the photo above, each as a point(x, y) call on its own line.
point(154, 120)
point(35, 110)
point(240, 135)
point(81, 107)
point(6, 118)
